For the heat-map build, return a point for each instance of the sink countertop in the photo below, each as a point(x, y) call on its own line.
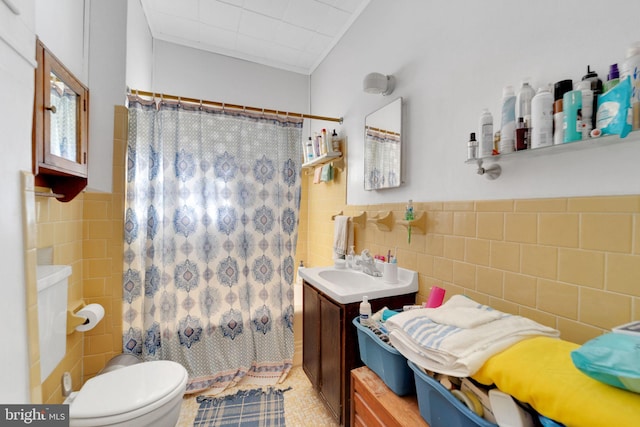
point(346, 286)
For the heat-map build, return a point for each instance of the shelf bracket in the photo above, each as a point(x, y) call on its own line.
point(383, 221)
point(418, 225)
point(492, 172)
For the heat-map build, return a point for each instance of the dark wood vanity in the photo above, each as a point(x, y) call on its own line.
point(330, 345)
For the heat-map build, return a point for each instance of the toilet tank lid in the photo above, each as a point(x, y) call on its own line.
point(127, 389)
point(48, 275)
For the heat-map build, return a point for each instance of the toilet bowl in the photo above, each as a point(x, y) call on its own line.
point(143, 394)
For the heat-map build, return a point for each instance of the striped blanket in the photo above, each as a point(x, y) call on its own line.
point(459, 336)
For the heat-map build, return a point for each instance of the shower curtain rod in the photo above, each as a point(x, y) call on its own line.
point(224, 105)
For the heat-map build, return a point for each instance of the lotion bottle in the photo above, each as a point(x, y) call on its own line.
point(542, 119)
point(365, 312)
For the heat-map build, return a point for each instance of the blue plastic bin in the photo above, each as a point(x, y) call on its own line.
point(385, 361)
point(439, 407)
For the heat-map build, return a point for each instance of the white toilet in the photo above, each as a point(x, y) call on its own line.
point(134, 395)
point(144, 394)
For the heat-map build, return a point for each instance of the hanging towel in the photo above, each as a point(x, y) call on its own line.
point(342, 236)
point(327, 173)
point(316, 174)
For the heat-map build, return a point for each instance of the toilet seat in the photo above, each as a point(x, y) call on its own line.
point(128, 393)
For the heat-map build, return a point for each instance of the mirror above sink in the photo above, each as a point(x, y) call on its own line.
point(383, 147)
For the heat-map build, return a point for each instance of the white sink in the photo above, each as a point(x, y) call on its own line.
point(347, 286)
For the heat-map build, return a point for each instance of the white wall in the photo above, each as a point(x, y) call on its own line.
point(60, 25)
point(17, 61)
point(451, 59)
point(139, 48)
point(107, 77)
point(198, 74)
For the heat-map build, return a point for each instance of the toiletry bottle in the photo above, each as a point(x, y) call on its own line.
point(613, 78)
point(326, 141)
point(309, 150)
point(523, 101)
point(587, 108)
point(572, 125)
point(365, 312)
point(485, 146)
point(472, 147)
point(335, 143)
point(522, 135)
point(508, 123)
point(559, 89)
point(542, 119)
point(631, 68)
point(351, 258)
point(596, 90)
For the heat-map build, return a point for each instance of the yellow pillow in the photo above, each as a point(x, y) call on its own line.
point(539, 371)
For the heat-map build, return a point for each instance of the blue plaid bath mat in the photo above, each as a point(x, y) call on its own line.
point(246, 408)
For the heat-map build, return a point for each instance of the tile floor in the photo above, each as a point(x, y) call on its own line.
point(302, 405)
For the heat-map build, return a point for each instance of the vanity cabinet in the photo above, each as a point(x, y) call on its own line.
point(60, 127)
point(330, 345)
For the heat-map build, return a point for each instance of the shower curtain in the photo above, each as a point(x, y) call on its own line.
point(211, 216)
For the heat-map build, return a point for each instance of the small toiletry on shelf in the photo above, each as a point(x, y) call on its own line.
point(522, 135)
point(559, 89)
point(408, 215)
point(587, 108)
point(309, 150)
point(485, 145)
point(326, 141)
point(508, 123)
point(595, 84)
point(613, 78)
point(572, 126)
point(365, 312)
point(523, 101)
point(631, 68)
point(472, 147)
point(541, 119)
point(335, 143)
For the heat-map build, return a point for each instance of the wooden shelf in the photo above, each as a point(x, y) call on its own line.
point(335, 157)
point(418, 225)
point(383, 221)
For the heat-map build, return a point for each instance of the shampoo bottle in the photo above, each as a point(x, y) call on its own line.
point(613, 78)
point(572, 126)
point(542, 119)
point(485, 146)
point(508, 123)
point(365, 312)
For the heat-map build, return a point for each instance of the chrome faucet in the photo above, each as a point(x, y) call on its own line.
point(369, 264)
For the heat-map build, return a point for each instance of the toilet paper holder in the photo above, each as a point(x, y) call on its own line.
point(74, 320)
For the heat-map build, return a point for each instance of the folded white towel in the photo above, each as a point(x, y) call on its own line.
point(454, 350)
point(342, 236)
point(463, 312)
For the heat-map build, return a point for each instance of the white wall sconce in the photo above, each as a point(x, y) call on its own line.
point(377, 83)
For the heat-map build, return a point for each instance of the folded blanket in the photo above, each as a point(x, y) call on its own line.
point(451, 349)
point(539, 371)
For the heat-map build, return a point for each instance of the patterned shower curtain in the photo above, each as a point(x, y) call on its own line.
point(211, 216)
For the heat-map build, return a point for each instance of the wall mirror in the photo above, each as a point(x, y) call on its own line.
point(383, 147)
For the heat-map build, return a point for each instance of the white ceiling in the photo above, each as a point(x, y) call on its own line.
point(293, 35)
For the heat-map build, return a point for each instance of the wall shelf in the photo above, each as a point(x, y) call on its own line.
point(418, 225)
point(335, 157)
point(383, 221)
point(561, 148)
